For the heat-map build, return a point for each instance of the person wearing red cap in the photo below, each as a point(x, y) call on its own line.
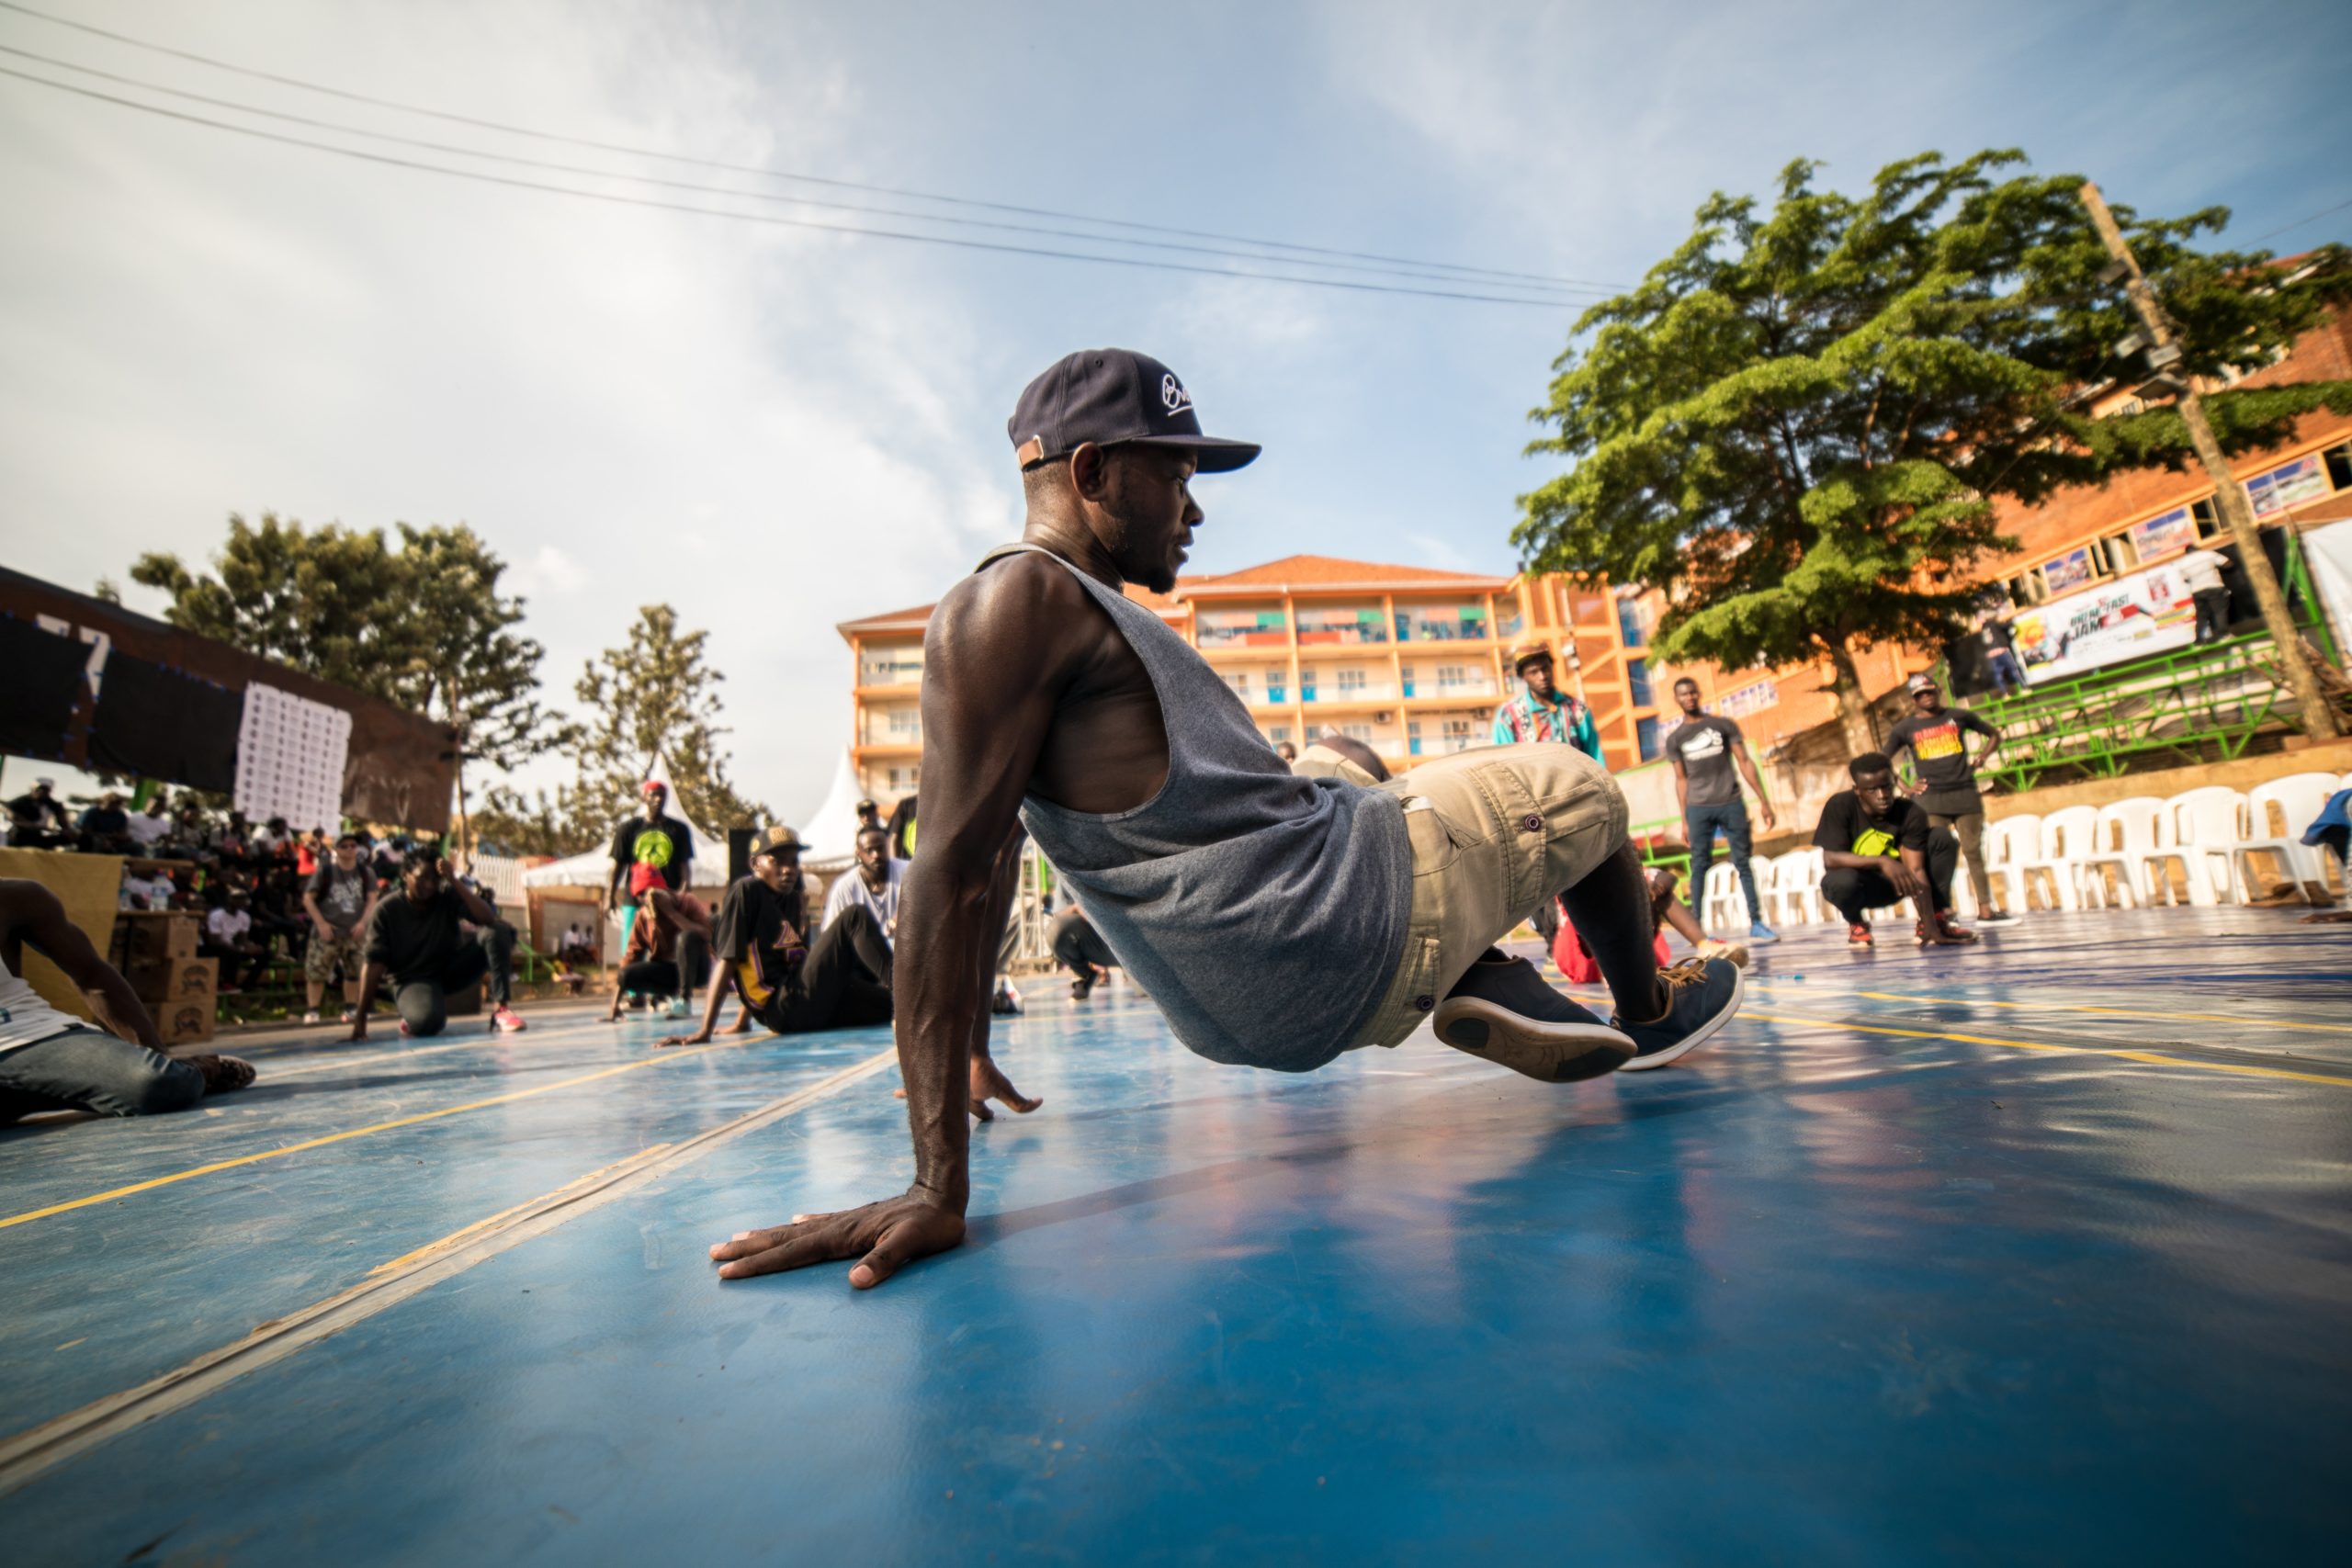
point(1278, 920)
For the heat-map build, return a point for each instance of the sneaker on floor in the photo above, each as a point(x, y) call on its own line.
point(1703, 995)
point(1006, 1003)
point(1504, 1014)
point(1084, 985)
point(351, 1015)
point(506, 1021)
point(1759, 932)
point(1996, 917)
point(406, 1030)
point(1858, 935)
point(678, 1007)
point(1710, 948)
point(1950, 930)
point(312, 1016)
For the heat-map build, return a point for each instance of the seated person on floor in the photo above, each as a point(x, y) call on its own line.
point(1877, 850)
point(340, 899)
point(52, 1061)
point(1278, 920)
point(669, 944)
point(1576, 960)
point(839, 981)
point(417, 936)
point(1080, 949)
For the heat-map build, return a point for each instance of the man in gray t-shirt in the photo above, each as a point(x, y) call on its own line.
point(1704, 748)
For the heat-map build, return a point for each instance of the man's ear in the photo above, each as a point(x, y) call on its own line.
point(1090, 470)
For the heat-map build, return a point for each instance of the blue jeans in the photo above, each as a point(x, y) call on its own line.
point(2008, 676)
point(84, 1069)
point(1699, 824)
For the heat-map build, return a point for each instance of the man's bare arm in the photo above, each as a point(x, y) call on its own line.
point(40, 921)
point(1001, 650)
point(1755, 782)
point(1682, 785)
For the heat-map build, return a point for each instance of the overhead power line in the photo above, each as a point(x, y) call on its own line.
point(239, 106)
point(2322, 212)
point(1465, 270)
point(773, 219)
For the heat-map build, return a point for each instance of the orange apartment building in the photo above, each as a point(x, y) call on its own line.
point(1412, 660)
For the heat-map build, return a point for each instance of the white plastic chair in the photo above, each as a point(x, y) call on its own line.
point(2009, 845)
point(2299, 798)
point(1796, 888)
point(2067, 836)
point(2202, 832)
point(1723, 907)
point(2128, 833)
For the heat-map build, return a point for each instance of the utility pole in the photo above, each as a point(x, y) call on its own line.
point(2319, 720)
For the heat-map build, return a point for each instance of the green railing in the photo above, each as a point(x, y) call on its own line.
point(2193, 704)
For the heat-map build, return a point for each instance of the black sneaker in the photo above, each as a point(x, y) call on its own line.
point(1703, 995)
point(1502, 1011)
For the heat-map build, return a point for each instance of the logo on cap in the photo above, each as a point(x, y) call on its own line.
point(1172, 393)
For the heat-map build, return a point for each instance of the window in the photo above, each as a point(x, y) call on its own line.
point(1239, 684)
point(906, 724)
point(1442, 623)
point(1241, 629)
point(1341, 625)
point(2070, 571)
point(2162, 536)
point(2288, 485)
point(1452, 678)
point(1637, 677)
point(1357, 732)
point(1645, 738)
point(1635, 621)
point(2207, 518)
point(1406, 673)
point(1412, 736)
point(2120, 553)
point(890, 669)
point(1278, 686)
point(905, 779)
point(1457, 733)
point(1349, 680)
point(2339, 466)
point(1278, 733)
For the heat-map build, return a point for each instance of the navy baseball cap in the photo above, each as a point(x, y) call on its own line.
point(1114, 396)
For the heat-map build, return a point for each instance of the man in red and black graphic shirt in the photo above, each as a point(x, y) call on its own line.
point(1944, 778)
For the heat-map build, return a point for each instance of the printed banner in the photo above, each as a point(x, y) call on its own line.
point(2143, 612)
point(290, 759)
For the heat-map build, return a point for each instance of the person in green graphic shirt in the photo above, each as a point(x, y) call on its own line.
point(651, 837)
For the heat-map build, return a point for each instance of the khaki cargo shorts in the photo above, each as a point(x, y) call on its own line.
point(325, 952)
point(1495, 832)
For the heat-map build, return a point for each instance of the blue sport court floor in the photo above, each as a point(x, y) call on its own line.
point(2039, 1252)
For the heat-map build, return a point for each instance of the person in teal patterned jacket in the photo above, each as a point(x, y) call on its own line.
point(1544, 712)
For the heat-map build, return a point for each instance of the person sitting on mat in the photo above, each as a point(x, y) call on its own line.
point(667, 945)
point(417, 936)
point(1878, 850)
point(1278, 920)
point(52, 1061)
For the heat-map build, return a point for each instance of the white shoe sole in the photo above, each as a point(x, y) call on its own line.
point(1698, 1036)
point(1548, 1053)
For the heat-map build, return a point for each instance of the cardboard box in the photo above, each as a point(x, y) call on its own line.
point(186, 1023)
point(159, 980)
point(161, 934)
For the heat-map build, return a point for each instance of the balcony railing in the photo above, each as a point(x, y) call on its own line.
point(1383, 692)
point(898, 673)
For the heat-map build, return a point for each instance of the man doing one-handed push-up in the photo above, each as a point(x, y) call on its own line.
point(1278, 920)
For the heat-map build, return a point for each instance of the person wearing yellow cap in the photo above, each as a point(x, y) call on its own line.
point(1541, 711)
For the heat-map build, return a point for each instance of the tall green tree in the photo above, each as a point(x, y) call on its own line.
point(424, 625)
point(1798, 425)
point(654, 696)
point(328, 601)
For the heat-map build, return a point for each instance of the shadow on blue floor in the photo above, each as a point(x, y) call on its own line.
point(1922, 1262)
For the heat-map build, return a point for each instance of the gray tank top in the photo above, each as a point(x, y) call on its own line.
point(1263, 911)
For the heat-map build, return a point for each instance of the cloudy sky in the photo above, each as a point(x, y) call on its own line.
point(775, 428)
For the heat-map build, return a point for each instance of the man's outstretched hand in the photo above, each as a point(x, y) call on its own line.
point(884, 1237)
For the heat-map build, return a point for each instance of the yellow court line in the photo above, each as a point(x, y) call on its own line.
point(2152, 1057)
point(669, 1056)
point(2077, 1007)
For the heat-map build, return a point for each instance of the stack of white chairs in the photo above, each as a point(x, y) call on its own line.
point(2277, 814)
point(2128, 833)
point(1795, 897)
point(2068, 838)
point(2201, 831)
point(2009, 845)
point(1722, 906)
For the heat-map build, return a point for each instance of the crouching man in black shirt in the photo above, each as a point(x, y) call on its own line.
point(414, 936)
point(1877, 850)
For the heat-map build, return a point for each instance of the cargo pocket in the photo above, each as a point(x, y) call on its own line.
point(1413, 992)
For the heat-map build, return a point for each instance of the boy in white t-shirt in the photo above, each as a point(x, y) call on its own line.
point(873, 885)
